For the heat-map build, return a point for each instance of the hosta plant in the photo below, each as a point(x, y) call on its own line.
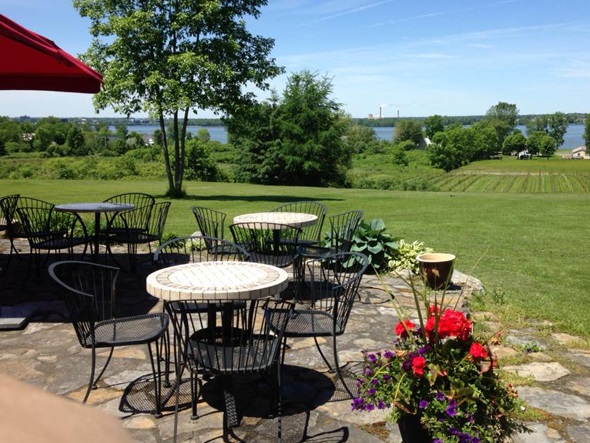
point(379, 246)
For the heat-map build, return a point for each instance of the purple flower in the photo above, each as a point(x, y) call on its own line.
point(357, 403)
point(389, 355)
point(437, 440)
point(380, 405)
point(439, 396)
point(423, 404)
point(369, 407)
point(374, 381)
point(424, 349)
point(452, 408)
point(372, 358)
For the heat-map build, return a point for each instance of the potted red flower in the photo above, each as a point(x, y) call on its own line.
point(439, 380)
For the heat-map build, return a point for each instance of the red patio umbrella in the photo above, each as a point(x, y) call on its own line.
point(33, 62)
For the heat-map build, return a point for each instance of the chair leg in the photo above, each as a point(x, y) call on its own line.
point(338, 368)
point(317, 344)
point(91, 381)
point(104, 368)
point(157, 375)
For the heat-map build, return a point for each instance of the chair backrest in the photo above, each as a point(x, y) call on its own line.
point(42, 226)
point(270, 243)
point(88, 290)
point(17, 230)
point(197, 248)
point(8, 209)
point(313, 232)
point(342, 229)
point(138, 199)
point(334, 284)
point(130, 223)
point(157, 220)
point(241, 341)
point(210, 222)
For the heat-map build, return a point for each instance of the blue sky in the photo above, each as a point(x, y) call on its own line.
point(412, 58)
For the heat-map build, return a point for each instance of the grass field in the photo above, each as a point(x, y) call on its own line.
point(530, 248)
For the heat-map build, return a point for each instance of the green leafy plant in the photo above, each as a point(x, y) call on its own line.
point(405, 257)
point(439, 373)
point(379, 246)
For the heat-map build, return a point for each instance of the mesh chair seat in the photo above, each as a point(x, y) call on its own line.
point(125, 331)
point(59, 242)
point(302, 321)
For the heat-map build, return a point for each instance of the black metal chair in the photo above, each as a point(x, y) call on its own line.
point(309, 234)
point(89, 294)
point(210, 222)
point(324, 310)
point(137, 199)
point(8, 224)
point(193, 249)
point(227, 341)
point(49, 230)
point(265, 242)
point(338, 239)
point(143, 225)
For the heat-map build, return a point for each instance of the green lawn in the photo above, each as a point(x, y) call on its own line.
point(529, 248)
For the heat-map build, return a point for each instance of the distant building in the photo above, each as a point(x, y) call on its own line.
point(580, 152)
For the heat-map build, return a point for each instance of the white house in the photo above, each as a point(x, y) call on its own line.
point(580, 152)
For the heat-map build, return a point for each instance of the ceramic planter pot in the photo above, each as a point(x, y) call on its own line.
point(412, 430)
point(436, 269)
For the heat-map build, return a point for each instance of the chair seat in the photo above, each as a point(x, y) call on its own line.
point(304, 322)
point(134, 330)
point(314, 252)
point(60, 243)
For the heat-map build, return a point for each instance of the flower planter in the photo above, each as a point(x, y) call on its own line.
point(412, 430)
point(436, 269)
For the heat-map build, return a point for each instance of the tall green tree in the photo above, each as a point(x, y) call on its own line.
point(554, 125)
point(408, 130)
point(296, 139)
point(433, 124)
point(515, 142)
point(170, 57)
point(451, 149)
point(587, 130)
point(541, 143)
point(503, 118)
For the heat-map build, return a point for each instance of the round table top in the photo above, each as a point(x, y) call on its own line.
point(297, 219)
point(94, 207)
point(217, 280)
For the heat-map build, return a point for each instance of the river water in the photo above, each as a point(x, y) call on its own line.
point(572, 138)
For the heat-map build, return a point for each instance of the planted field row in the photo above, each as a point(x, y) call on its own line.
point(514, 183)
